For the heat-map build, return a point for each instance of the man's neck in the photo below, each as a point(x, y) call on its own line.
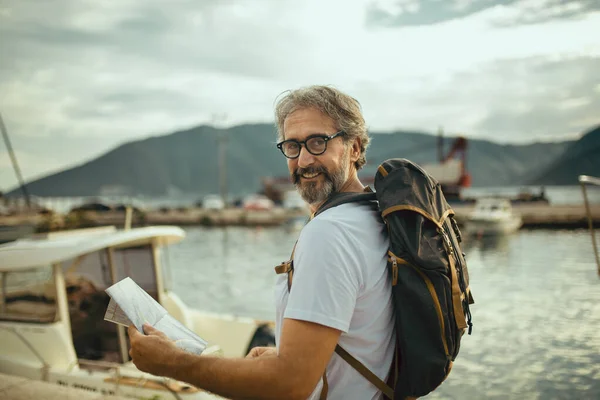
point(352, 185)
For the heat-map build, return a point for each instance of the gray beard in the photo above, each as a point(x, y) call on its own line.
point(318, 192)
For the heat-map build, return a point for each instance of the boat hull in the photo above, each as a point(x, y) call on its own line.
point(481, 226)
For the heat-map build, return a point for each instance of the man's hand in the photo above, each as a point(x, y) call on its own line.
point(292, 372)
point(262, 352)
point(154, 353)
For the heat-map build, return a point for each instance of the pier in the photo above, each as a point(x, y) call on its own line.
point(535, 216)
point(545, 216)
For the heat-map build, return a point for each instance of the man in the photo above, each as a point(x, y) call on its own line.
point(340, 291)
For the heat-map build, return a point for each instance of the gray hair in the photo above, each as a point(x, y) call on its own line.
point(343, 109)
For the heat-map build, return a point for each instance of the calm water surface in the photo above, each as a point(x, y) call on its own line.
point(536, 331)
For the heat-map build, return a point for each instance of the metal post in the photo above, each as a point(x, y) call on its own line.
point(223, 166)
point(440, 145)
point(120, 328)
point(159, 274)
point(4, 275)
point(590, 223)
point(128, 215)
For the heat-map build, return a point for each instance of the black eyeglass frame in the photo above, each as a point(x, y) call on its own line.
point(300, 143)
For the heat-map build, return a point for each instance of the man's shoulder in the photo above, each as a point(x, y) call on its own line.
point(349, 211)
point(342, 222)
point(350, 215)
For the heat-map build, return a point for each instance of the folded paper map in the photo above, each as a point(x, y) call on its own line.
point(131, 305)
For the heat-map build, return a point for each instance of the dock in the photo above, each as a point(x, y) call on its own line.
point(545, 216)
point(535, 216)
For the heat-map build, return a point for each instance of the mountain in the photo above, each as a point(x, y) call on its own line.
point(187, 162)
point(580, 158)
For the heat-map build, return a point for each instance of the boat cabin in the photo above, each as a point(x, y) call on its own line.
point(52, 298)
point(491, 206)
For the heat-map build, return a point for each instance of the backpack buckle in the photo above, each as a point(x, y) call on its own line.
point(283, 268)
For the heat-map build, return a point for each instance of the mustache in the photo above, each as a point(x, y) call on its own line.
point(308, 170)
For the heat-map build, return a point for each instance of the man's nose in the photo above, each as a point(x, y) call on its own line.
point(305, 158)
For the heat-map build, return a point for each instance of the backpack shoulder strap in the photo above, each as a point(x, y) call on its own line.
point(346, 197)
point(366, 372)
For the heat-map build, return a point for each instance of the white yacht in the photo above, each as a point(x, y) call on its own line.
point(492, 216)
point(52, 306)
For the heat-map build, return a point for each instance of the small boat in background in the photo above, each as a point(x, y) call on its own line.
point(493, 216)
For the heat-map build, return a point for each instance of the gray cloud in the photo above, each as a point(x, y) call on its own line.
point(509, 101)
point(77, 78)
point(427, 12)
point(198, 36)
point(561, 97)
point(522, 100)
point(552, 10)
point(114, 102)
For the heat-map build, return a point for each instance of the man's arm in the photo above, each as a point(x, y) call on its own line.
point(304, 352)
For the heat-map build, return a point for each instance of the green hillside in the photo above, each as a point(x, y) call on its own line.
point(580, 158)
point(187, 162)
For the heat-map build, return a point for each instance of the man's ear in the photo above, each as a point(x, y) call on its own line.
point(355, 151)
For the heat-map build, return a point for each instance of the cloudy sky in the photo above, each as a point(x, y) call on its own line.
point(79, 77)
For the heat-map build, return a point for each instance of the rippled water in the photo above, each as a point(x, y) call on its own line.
point(536, 331)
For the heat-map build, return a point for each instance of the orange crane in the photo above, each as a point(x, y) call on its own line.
point(459, 146)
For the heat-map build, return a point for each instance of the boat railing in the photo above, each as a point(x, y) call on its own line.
point(107, 365)
point(104, 365)
point(45, 365)
point(583, 181)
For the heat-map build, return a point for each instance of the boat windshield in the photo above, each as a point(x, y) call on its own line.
point(86, 278)
point(94, 268)
point(28, 295)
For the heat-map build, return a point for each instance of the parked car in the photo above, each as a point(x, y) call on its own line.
point(258, 202)
point(213, 202)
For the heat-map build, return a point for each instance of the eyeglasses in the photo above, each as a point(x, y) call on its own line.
point(315, 145)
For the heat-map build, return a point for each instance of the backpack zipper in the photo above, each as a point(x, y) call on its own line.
point(450, 249)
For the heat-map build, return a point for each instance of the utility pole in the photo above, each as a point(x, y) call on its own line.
point(222, 139)
point(440, 146)
point(222, 163)
point(14, 162)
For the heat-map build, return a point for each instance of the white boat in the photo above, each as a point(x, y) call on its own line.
point(52, 306)
point(492, 216)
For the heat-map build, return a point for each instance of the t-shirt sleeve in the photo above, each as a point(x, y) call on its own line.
point(327, 279)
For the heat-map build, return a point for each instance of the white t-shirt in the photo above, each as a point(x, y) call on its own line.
point(340, 280)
